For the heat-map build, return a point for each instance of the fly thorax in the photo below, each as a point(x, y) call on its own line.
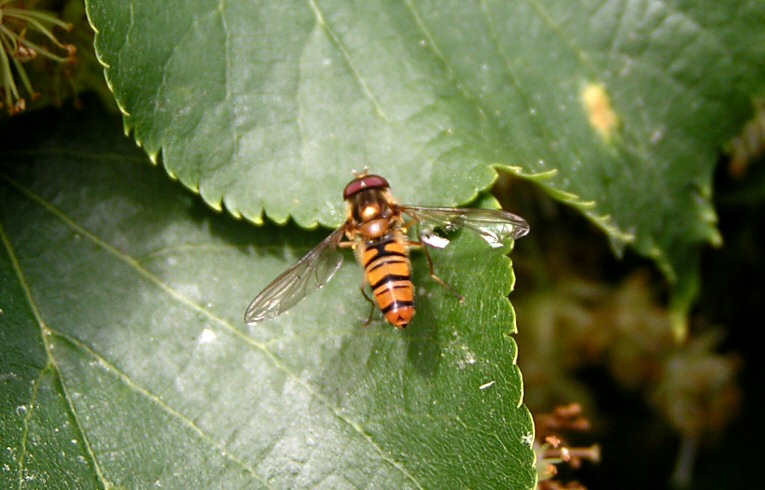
point(375, 228)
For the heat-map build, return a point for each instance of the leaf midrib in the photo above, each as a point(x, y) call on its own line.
point(177, 296)
point(45, 333)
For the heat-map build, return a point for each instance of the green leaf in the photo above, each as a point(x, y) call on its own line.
point(124, 359)
point(617, 108)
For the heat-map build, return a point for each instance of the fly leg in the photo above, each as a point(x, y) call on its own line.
point(371, 302)
point(433, 274)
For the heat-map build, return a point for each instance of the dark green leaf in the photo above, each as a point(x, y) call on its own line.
point(619, 108)
point(124, 359)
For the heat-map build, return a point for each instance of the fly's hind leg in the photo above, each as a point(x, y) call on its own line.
point(371, 302)
point(433, 274)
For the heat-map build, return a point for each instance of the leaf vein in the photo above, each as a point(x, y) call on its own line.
point(546, 132)
point(336, 412)
point(45, 332)
point(227, 76)
point(160, 403)
point(30, 408)
point(351, 66)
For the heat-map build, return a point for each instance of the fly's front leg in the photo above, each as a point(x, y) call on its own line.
point(352, 245)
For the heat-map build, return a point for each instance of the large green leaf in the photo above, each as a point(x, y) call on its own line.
point(618, 108)
point(124, 359)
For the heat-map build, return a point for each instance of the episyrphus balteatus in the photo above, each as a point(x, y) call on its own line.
point(377, 231)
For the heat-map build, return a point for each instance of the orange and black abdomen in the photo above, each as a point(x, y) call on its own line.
point(388, 272)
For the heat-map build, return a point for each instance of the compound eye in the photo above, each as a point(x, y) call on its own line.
point(362, 183)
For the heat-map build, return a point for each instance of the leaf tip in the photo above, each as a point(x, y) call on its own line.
point(254, 218)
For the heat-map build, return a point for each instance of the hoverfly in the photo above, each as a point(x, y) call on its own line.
point(376, 230)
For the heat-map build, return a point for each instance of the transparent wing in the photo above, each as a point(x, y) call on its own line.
point(308, 274)
point(494, 226)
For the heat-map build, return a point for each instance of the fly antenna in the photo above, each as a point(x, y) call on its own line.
point(361, 174)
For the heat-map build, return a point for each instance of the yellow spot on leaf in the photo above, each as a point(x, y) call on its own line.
point(600, 111)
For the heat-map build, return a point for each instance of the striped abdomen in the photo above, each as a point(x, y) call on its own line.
point(387, 269)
